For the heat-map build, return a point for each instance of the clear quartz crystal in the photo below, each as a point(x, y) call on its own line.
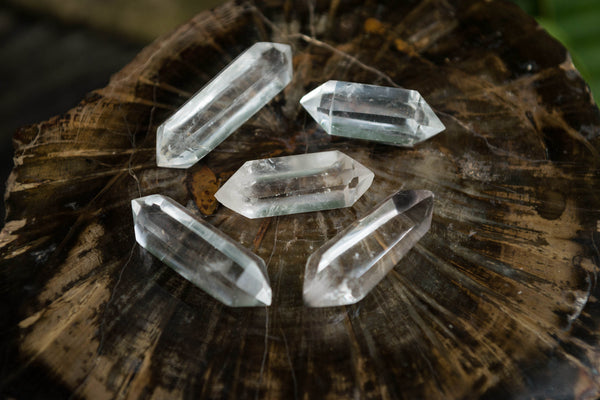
point(390, 115)
point(295, 184)
point(200, 253)
point(223, 105)
point(347, 267)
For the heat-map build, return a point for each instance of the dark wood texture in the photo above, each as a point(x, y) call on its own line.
point(498, 301)
point(48, 68)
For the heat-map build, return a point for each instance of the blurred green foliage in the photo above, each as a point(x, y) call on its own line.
point(575, 23)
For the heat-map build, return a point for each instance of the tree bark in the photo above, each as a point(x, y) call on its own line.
point(498, 301)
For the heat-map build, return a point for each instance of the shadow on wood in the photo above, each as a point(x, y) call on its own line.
point(498, 301)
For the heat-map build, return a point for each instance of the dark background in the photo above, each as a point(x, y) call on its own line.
point(52, 52)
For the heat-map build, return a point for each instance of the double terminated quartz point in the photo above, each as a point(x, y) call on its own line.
point(346, 268)
point(223, 105)
point(295, 184)
point(200, 253)
point(390, 115)
point(343, 271)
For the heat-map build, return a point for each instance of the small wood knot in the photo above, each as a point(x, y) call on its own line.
point(374, 26)
point(202, 184)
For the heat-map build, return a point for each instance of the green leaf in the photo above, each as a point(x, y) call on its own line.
point(576, 25)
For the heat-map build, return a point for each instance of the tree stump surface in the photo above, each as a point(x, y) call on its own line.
point(498, 301)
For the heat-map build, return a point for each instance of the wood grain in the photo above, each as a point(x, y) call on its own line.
point(498, 301)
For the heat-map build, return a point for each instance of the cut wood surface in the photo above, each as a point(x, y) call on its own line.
point(498, 301)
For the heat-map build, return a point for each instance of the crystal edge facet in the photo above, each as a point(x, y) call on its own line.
point(419, 196)
point(421, 132)
point(265, 297)
point(164, 163)
point(237, 205)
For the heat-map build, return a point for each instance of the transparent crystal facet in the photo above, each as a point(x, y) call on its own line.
point(200, 253)
point(223, 105)
point(390, 115)
point(295, 184)
point(347, 267)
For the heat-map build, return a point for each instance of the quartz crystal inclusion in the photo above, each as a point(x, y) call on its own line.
point(390, 115)
point(346, 268)
point(223, 105)
point(200, 253)
point(295, 184)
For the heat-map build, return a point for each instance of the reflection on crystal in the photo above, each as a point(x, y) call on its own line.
point(223, 105)
point(390, 115)
point(200, 253)
point(295, 184)
point(347, 267)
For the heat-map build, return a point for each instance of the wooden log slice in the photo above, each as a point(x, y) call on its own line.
point(498, 301)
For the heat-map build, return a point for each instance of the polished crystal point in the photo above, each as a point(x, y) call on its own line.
point(295, 184)
point(200, 253)
point(223, 105)
point(346, 268)
point(383, 114)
